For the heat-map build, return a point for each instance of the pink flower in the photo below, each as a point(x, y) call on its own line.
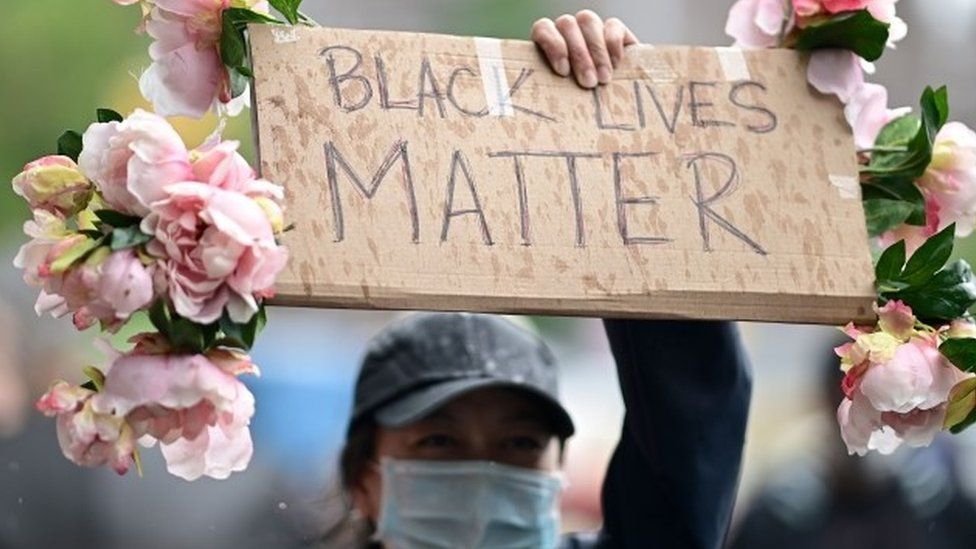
point(49, 237)
point(836, 72)
point(758, 23)
point(914, 235)
point(53, 183)
point(88, 438)
point(217, 248)
point(864, 428)
point(131, 161)
point(868, 113)
point(916, 377)
point(897, 386)
point(951, 177)
point(199, 411)
point(108, 287)
point(187, 76)
point(220, 449)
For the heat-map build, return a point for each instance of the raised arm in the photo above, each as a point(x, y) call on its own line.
point(674, 475)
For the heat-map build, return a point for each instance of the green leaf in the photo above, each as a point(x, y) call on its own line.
point(233, 49)
point(240, 17)
point(898, 189)
point(74, 254)
point(945, 296)
point(899, 132)
point(108, 115)
point(128, 237)
point(159, 317)
point(242, 336)
point(890, 263)
point(117, 219)
point(92, 233)
point(186, 335)
point(961, 352)
point(69, 144)
point(965, 424)
point(961, 412)
point(96, 376)
point(883, 214)
point(238, 81)
point(911, 163)
point(857, 31)
point(930, 257)
point(288, 8)
point(935, 110)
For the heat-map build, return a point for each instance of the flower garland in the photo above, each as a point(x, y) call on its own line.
point(914, 374)
point(127, 219)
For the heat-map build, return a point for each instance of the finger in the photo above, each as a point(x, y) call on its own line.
point(547, 37)
point(630, 39)
point(592, 27)
point(615, 33)
point(579, 54)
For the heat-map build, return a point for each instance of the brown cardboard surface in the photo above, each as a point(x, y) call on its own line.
point(451, 173)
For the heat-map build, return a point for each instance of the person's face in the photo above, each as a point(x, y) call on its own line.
point(500, 425)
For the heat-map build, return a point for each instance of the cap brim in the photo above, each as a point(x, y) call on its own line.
point(422, 402)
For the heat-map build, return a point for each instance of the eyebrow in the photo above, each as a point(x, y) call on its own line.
point(528, 418)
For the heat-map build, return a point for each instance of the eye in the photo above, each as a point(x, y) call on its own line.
point(525, 443)
point(437, 440)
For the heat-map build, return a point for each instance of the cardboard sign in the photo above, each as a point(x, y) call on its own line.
point(449, 173)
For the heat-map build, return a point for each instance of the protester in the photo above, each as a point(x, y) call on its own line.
point(457, 435)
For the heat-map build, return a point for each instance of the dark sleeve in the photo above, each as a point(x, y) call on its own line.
point(673, 477)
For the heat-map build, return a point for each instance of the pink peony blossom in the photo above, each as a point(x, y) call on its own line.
point(221, 448)
point(131, 161)
point(187, 76)
point(87, 437)
point(868, 113)
point(758, 23)
point(864, 428)
point(217, 250)
point(53, 183)
point(198, 410)
point(916, 377)
point(897, 386)
point(108, 287)
point(951, 177)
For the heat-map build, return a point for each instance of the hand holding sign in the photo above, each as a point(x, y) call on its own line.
point(583, 44)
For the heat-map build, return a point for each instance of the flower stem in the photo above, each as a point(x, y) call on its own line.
point(308, 20)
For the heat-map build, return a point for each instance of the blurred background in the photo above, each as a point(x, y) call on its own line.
point(60, 59)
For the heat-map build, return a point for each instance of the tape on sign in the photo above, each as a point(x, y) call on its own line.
point(493, 78)
point(848, 187)
point(284, 36)
point(734, 64)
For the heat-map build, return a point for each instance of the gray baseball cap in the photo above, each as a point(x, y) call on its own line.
point(423, 361)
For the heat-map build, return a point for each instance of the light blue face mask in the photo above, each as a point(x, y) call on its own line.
point(467, 505)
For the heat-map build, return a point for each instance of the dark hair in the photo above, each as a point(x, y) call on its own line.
point(347, 528)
